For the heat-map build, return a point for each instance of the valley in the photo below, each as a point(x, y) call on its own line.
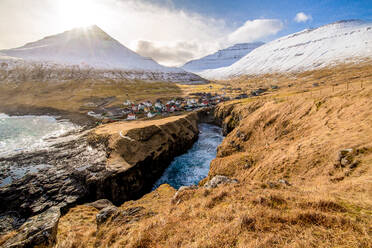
point(277, 171)
point(254, 145)
point(290, 190)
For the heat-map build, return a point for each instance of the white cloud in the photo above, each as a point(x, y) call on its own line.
point(173, 53)
point(302, 17)
point(255, 30)
point(171, 36)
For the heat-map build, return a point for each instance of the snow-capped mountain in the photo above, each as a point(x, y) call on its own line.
point(343, 41)
point(90, 48)
point(221, 58)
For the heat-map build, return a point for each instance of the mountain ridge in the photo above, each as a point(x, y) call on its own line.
point(221, 58)
point(308, 49)
point(89, 48)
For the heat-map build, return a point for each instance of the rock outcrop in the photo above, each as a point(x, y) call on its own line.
point(118, 162)
point(39, 230)
point(218, 180)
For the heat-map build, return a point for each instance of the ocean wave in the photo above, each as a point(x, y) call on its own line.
point(27, 133)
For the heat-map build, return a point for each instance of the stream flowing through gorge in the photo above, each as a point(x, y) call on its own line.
point(191, 167)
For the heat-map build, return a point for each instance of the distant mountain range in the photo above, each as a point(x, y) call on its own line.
point(90, 52)
point(339, 42)
point(91, 48)
point(221, 58)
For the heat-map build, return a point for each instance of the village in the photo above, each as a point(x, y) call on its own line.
point(147, 109)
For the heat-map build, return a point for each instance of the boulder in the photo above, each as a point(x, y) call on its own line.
point(105, 213)
point(217, 180)
point(285, 182)
point(187, 188)
point(100, 204)
point(37, 231)
point(345, 157)
point(177, 196)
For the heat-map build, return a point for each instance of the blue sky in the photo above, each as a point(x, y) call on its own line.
point(238, 11)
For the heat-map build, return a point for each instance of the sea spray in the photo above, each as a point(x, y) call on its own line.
point(27, 133)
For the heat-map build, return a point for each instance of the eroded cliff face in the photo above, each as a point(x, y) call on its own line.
point(139, 152)
point(118, 161)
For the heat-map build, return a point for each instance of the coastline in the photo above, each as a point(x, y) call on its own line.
point(80, 119)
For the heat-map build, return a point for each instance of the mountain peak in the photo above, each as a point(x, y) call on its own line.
point(91, 32)
point(222, 58)
point(89, 46)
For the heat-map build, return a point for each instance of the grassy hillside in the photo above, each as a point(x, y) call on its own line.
point(297, 186)
point(74, 95)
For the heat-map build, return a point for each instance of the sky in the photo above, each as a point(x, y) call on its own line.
point(173, 32)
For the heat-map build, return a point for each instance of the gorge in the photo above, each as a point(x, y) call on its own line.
point(119, 161)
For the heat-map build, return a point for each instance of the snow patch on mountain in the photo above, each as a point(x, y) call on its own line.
point(88, 47)
point(343, 41)
point(221, 58)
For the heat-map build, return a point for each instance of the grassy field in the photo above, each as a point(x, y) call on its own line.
point(74, 95)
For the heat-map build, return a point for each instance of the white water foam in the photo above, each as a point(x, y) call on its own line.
point(28, 133)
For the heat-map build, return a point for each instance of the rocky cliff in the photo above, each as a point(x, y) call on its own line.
point(118, 161)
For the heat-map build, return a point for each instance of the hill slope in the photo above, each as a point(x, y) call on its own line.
point(222, 58)
point(303, 163)
point(305, 50)
point(87, 48)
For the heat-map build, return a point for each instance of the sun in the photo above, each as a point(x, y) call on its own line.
point(78, 13)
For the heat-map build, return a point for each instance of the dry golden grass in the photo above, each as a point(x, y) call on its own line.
point(303, 81)
point(207, 88)
point(72, 95)
point(78, 225)
point(295, 138)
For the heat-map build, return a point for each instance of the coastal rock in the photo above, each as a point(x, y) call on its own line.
point(38, 231)
point(217, 180)
point(97, 164)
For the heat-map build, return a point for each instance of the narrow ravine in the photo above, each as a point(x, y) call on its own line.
point(191, 167)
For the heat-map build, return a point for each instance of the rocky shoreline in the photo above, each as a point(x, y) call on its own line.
point(118, 161)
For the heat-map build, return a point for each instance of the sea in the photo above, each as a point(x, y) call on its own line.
point(28, 133)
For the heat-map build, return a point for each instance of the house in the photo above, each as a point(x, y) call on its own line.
point(158, 106)
point(191, 102)
point(127, 103)
point(146, 109)
point(134, 108)
point(148, 104)
point(141, 106)
point(150, 114)
point(131, 116)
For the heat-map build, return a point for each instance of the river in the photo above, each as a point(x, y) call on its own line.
point(189, 168)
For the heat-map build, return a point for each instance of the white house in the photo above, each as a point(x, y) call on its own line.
point(150, 115)
point(141, 106)
point(148, 104)
point(128, 103)
point(131, 116)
